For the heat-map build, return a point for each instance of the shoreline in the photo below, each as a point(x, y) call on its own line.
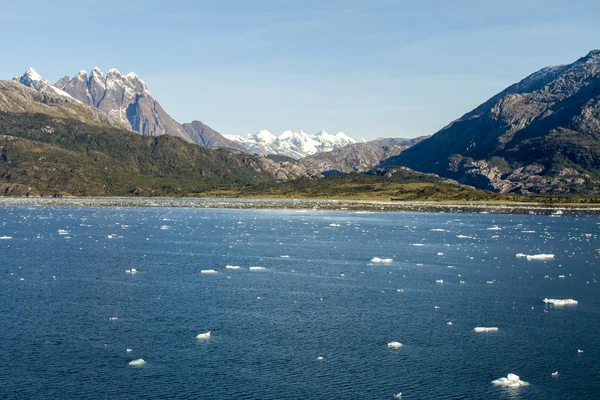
point(314, 205)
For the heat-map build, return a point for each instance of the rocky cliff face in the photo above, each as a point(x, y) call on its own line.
point(126, 100)
point(541, 135)
point(15, 98)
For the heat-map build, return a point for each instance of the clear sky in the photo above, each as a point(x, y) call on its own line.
point(388, 68)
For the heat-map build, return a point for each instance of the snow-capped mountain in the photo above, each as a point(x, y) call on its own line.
point(126, 100)
point(292, 144)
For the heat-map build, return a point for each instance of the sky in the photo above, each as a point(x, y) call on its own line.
point(377, 68)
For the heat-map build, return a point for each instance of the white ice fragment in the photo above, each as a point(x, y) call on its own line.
point(560, 302)
point(232, 266)
point(555, 373)
point(256, 268)
point(381, 260)
point(418, 244)
point(164, 227)
point(440, 254)
point(63, 232)
point(449, 323)
point(5, 237)
point(208, 271)
point(128, 350)
point(579, 351)
point(485, 329)
point(512, 380)
point(541, 257)
point(398, 395)
point(334, 225)
point(284, 256)
point(464, 237)
point(320, 358)
point(131, 271)
point(138, 362)
point(113, 318)
point(494, 228)
point(394, 345)
point(203, 336)
point(439, 281)
point(437, 230)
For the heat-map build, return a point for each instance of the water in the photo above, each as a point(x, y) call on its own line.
point(58, 293)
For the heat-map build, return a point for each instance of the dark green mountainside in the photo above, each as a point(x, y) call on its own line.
point(47, 155)
point(541, 135)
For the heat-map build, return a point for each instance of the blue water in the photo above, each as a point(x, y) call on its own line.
point(57, 293)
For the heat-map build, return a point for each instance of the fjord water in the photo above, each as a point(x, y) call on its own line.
point(61, 292)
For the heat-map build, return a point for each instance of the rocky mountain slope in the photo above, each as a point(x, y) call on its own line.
point(206, 136)
point(292, 144)
point(356, 157)
point(541, 135)
point(125, 99)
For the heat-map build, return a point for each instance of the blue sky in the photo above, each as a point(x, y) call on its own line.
point(368, 68)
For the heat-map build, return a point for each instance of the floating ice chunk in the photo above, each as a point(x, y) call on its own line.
point(521, 255)
point(440, 254)
point(208, 271)
point(555, 373)
point(63, 232)
point(164, 227)
point(560, 302)
point(320, 358)
point(232, 266)
point(561, 276)
point(494, 228)
point(381, 260)
point(512, 380)
point(418, 244)
point(398, 395)
point(113, 318)
point(138, 362)
point(394, 345)
point(464, 237)
point(439, 281)
point(5, 237)
point(449, 323)
point(256, 268)
point(128, 350)
point(437, 230)
point(579, 351)
point(541, 257)
point(203, 336)
point(131, 271)
point(485, 329)
point(334, 225)
point(284, 256)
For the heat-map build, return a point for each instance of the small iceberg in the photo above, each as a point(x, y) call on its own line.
point(208, 271)
point(398, 395)
point(437, 230)
point(464, 237)
point(439, 281)
point(494, 228)
point(164, 227)
point(579, 351)
point(5, 237)
point(418, 244)
point(334, 225)
point(378, 260)
point(203, 336)
point(131, 271)
point(63, 232)
point(138, 362)
point(394, 345)
point(536, 256)
point(560, 302)
point(480, 329)
point(555, 374)
point(256, 268)
point(320, 358)
point(232, 266)
point(128, 350)
point(512, 381)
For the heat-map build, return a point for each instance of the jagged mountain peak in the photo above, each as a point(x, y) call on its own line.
point(33, 79)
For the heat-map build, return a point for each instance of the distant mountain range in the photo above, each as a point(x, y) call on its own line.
point(292, 144)
point(541, 135)
point(127, 100)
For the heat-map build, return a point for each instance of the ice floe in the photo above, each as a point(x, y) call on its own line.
point(381, 260)
point(5, 237)
point(494, 228)
point(256, 268)
point(512, 380)
point(138, 362)
point(320, 358)
point(131, 271)
point(394, 345)
point(480, 329)
point(63, 232)
point(208, 271)
point(398, 395)
point(555, 373)
point(439, 281)
point(536, 256)
point(203, 336)
point(560, 302)
point(232, 266)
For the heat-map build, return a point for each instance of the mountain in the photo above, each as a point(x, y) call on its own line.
point(126, 99)
point(52, 144)
point(356, 157)
point(291, 144)
point(206, 136)
point(540, 135)
point(15, 98)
